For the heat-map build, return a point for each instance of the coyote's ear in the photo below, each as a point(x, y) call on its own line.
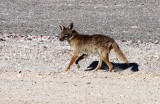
point(71, 26)
point(73, 31)
point(61, 27)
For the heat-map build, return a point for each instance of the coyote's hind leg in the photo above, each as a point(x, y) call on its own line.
point(99, 64)
point(106, 60)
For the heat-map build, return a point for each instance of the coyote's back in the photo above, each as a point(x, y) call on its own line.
point(85, 45)
point(91, 44)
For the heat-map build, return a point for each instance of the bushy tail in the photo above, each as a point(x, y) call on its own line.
point(119, 52)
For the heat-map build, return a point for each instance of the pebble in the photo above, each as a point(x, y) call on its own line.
point(88, 82)
point(1, 39)
point(156, 42)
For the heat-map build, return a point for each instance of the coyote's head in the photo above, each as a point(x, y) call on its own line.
point(66, 33)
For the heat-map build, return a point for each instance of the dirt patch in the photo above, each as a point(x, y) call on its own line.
point(32, 72)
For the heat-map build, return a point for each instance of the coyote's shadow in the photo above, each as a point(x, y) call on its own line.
point(116, 66)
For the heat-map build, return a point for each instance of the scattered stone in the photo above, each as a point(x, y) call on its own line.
point(49, 73)
point(124, 40)
point(156, 42)
point(1, 39)
point(139, 41)
point(45, 48)
point(75, 84)
point(88, 82)
point(29, 39)
point(134, 27)
point(20, 72)
point(65, 82)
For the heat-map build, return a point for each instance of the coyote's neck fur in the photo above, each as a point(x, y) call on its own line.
point(74, 36)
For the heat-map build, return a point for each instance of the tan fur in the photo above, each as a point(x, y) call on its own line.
point(85, 45)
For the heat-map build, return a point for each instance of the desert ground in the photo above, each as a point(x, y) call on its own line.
point(33, 60)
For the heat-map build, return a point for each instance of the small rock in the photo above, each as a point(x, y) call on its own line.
point(124, 40)
point(64, 82)
point(156, 42)
point(45, 48)
point(44, 37)
point(82, 76)
point(29, 39)
point(75, 84)
point(88, 82)
point(134, 27)
point(1, 39)
point(139, 41)
point(49, 73)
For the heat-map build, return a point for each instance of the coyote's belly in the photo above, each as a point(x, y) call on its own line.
point(89, 50)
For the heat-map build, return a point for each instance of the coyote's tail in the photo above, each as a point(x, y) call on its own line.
point(119, 52)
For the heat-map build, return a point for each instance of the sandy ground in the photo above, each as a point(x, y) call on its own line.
point(32, 72)
point(32, 64)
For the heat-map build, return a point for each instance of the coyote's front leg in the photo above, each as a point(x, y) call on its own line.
point(73, 59)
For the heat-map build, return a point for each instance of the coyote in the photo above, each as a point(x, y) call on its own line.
point(85, 45)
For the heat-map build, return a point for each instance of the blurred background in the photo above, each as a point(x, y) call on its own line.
point(121, 19)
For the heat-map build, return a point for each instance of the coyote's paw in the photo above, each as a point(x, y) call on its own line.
point(67, 68)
